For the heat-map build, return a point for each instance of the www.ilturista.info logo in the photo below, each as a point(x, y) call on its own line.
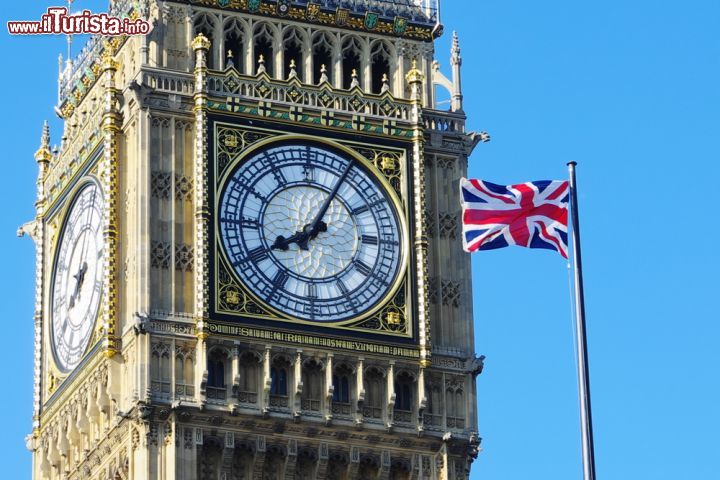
point(58, 21)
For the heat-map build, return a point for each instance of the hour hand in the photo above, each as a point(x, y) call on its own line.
point(79, 278)
point(300, 238)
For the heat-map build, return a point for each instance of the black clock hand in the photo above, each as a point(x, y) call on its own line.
point(311, 230)
point(79, 279)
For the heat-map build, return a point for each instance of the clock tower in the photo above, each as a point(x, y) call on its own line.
point(249, 263)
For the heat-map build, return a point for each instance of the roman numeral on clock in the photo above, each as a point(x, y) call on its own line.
point(360, 210)
point(363, 268)
point(280, 279)
point(369, 239)
point(257, 255)
point(342, 287)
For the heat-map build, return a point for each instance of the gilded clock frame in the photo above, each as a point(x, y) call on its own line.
point(400, 196)
point(65, 206)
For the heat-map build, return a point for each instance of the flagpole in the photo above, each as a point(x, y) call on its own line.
point(588, 447)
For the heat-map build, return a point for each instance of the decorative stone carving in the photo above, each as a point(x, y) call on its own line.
point(184, 257)
point(451, 293)
point(183, 188)
point(160, 254)
point(448, 225)
point(160, 184)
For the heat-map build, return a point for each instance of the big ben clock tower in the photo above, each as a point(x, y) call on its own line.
point(249, 262)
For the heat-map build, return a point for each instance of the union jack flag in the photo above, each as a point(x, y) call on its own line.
point(532, 214)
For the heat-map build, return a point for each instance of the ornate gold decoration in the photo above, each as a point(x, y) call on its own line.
point(415, 75)
point(233, 297)
point(391, 318)
point(415, 79)
point(200, 42)
point(202, 211)
point(110, 128)
point(232, 142)
point(388, 163)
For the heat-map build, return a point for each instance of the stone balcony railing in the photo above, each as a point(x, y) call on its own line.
point(418, 11)
point(261, 88)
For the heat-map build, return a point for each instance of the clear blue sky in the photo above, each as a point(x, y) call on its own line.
point(629, 89)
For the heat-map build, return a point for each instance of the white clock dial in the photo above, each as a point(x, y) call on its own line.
point(311, 231)
point(77, 277)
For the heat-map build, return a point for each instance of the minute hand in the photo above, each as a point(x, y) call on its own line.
point(314, 226)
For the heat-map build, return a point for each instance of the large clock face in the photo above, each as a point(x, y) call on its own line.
point(77, 277)
point(311, 232)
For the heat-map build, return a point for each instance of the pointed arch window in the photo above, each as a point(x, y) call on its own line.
point(341, 390)
point(380, 66)
point(264, 47)
point(374, 393)
point(293, 52)
point(351, 60)
point(184, 373)
point(312, 386)
point(205, 24)
point(455, 404)
point(234, 46)
point(279, 376)
point(216, 369)
point(248, 383)
point(322, 50)
point(404, 387)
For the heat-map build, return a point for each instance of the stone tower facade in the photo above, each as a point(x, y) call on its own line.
point(214, 300)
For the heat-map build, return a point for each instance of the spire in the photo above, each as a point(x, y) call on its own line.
point(456, 62)
point(44, 154)
point(455, 51)
point(45, 137)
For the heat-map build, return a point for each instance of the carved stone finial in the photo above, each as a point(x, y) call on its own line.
point(323, 74)
point(45, 137)
point(261, 64)
point(293, 71)
point(355, 82)
point(385, 83)
point(201, 42)
point(455, 44)
point(455, 51)
point(414, 75)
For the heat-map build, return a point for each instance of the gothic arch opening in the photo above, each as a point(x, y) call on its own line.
point(374, 393)
point(404, 390)
point(341, 390)
point(322, 51)
point(249, 364)
point(312, 386)
point(205, 24)
point(234, 45)
point(293, 53)
point(217, 368)
point(280, 380)
point(380, 66)
point(264, 48)
point(351, 61)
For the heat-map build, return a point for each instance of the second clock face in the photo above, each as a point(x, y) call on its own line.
point(77, 278)
point(312, 232)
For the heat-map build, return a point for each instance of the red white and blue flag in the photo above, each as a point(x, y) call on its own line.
point(532, 214)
